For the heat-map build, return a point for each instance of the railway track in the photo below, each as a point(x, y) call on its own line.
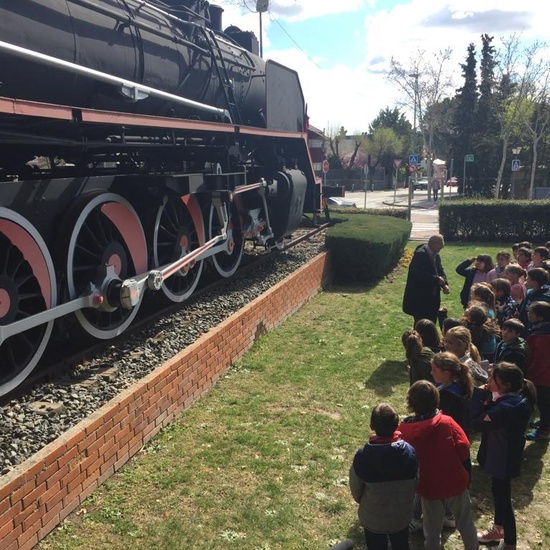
point(68, 390)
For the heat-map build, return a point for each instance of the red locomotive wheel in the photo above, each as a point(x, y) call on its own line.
point(227, 261)
point(27, 287)
point(179, 229)
point(107, 232)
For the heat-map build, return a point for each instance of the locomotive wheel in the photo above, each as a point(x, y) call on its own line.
point(227, 261)
point(107, 231)
point(176, 235)
point(27, 287)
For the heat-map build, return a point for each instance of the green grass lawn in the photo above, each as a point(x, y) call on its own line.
point(262, 461)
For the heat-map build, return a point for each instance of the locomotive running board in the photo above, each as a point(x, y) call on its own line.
point(36, 109)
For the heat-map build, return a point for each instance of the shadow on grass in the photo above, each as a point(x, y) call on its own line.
point(532, 468)
point(522, 487)
point(388, 374)
point(416, 540)
point(351, 288)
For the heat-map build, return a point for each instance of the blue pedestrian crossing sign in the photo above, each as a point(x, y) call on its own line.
point(413, 159)
point(515, 165)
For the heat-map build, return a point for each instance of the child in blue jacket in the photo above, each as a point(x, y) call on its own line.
point(501, 412)
point(382, 480)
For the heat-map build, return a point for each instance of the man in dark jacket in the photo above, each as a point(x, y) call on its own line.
point(425, 281)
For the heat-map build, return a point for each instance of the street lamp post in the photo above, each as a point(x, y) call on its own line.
point(515, 151)
point(397, 164)
point(261, 7)
point(411, 184)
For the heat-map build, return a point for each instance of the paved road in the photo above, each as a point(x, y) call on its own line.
point(424, 213)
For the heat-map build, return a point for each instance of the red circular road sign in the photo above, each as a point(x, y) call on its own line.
point(325, 166)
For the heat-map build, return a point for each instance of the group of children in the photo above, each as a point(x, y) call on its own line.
point(485, 375)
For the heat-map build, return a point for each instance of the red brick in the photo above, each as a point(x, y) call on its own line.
point(10, 483)
point(91, 464)
point(76, 482)
point(32, 521)
point(6, 526)
point(22, 492)
point(33, 496)
point(55, 452)
point(93, 422)
point(71, 438)
point(50, 520)
point(71, 475)
point(108, 464)
point(106, 474)
point(70, 504)
point(12, 535)
point(106, 426)
point(53, 496)
point(122, 457)
point(69, 459)
point(28, 540)
point(4, 506)
point(89, 485)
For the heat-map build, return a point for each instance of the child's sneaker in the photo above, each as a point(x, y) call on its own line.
point(449, 522)
point(494, 533)
point(537, 435)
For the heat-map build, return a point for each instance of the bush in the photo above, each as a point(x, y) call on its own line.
point(393, 212)
point(495, 220)
point(365, 247)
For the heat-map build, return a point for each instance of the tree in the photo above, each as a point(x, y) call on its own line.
point(538, 123)
point(487, 125)
point(344, 160)
point(382, 147)
point(463, 118)
point(524, 77)
point(425, 83)
point(394, 119)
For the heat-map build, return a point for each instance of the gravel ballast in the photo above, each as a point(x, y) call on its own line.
point(35, 419)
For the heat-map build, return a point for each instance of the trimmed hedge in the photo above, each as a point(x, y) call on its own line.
point(365, 247)
point(495, 220)
point(393, 212)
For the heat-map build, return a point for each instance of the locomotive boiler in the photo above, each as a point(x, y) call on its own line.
point(138, 143)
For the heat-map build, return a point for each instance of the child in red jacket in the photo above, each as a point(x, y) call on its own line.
point(538, 366)
point(443, 452)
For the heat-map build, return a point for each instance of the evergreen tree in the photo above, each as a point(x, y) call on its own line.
point(463, 124)
point(486, 142)
point(394, 119)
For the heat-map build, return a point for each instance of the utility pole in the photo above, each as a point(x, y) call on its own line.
point(413, 145)
point(261, 7)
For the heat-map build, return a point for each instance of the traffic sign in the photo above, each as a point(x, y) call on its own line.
point(413, 159)
point(469, 158)
point(325, 166)
point(515, 165)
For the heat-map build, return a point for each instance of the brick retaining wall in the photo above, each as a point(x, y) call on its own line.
point(38, 494)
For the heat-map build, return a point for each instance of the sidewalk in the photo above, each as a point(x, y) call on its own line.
point(424, 212)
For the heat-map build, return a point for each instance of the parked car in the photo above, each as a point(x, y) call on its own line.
point(452, 182)
point(339, 201)
point(421, 184)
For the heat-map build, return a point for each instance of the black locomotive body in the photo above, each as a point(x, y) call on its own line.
point(137, 142)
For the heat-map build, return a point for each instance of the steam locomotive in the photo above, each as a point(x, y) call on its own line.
point(137, 143)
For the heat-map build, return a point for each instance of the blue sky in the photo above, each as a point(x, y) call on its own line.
point(342, 48)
